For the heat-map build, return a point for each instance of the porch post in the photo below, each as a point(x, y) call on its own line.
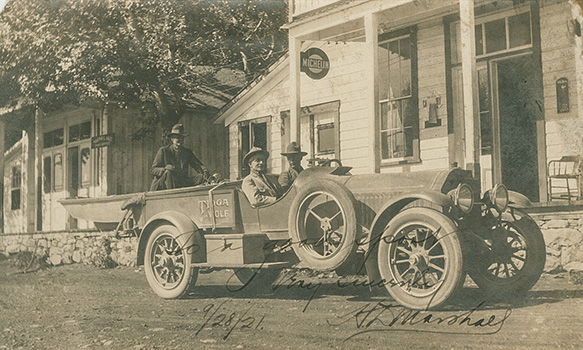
point(295, 45)
point(38, 146)
point(470, 88)
point(371, 24)
point(2, 150)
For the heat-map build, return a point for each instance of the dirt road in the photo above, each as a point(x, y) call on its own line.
point(82, 307)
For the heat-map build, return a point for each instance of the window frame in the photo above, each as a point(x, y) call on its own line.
point(243, 170)
point(59, 154)
point(481, 21)
point(15, 187)
point(411, 33)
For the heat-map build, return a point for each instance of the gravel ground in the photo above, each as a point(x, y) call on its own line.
point(83, 307)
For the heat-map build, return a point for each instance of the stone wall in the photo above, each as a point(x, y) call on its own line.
point(563, 233)
point(88, 247)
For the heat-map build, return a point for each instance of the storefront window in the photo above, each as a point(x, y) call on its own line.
point(519, 30)
point(58, 171)
point(485, 115)
point(79, 132)
point(326, 139)
point(47, 174)
point(53, 138)
point(495, 34)
point(16, 184)
point(399, 117)
point(84, 169)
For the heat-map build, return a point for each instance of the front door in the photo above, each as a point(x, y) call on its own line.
point(518, 96)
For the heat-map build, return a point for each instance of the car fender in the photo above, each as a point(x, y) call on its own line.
point(385, 214)
point(190, 236)
point(518, 200)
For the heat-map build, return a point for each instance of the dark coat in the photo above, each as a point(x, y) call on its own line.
point(287, 178)
point(181, 160)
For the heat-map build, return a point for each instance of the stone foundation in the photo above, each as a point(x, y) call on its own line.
point(563, 234)
point(88, 247)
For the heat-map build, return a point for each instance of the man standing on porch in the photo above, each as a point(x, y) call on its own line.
point(170, 166)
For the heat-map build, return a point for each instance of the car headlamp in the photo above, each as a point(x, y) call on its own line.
point(463, 198)
point(499, 197)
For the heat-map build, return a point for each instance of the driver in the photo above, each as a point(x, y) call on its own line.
point(294, 157)
point(258, 188)
point(170, 166)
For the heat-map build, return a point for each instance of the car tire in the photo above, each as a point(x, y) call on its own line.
point(323, 225)
point(420, 258)
point(514, 264)
point(168, 266)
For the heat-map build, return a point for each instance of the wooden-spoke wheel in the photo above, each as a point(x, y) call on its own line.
point(514, 258)
point(167, 264)
point(420, 258)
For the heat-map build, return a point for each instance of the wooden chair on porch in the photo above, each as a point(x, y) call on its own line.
point(564, 178)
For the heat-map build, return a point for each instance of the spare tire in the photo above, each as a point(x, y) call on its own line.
point(323, 224)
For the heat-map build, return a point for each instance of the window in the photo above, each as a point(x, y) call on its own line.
point(79, 132)
point(252, 133)
point(399, 124)
point(485, 115)
point(58, 161)
point(16, 184)
point(53, 138)
point(495, 34)
point(326, 139)
point(84, 175)
point(47, 174)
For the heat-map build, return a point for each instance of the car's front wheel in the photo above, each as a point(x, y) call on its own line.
point(514, 258)
point(168, 264)
point(420, 258)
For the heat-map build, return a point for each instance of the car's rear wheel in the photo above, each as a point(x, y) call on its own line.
point(167, 265)
point(514, 258)
point(323, 225)
point(420, 258)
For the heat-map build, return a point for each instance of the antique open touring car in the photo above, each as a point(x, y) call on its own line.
point(418, 233)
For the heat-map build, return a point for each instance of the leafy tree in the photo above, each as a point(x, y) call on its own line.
point(169, 54)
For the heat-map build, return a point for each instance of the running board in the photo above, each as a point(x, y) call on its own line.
point(267, 265)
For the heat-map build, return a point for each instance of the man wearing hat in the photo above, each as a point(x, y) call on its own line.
point(170, 166)
point(294, 157)
point(258, 188)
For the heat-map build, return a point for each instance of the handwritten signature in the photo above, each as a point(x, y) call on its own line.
point(384, 316)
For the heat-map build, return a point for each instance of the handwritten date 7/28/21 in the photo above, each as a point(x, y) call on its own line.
point(219, 316)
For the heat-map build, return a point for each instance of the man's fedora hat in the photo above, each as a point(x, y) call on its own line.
point(253, 152)
point(293, 148)
point(177, 129)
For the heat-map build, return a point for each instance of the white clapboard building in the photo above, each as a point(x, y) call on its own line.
point(406, 85)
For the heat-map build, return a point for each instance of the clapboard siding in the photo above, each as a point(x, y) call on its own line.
point(131, 158)
point(558, 60)
point(344, 82)
point(129, 170)
point(563, 138)
point(558, 57)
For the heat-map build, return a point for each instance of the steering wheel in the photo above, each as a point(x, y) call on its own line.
point(214, 179)
point(329, 162)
